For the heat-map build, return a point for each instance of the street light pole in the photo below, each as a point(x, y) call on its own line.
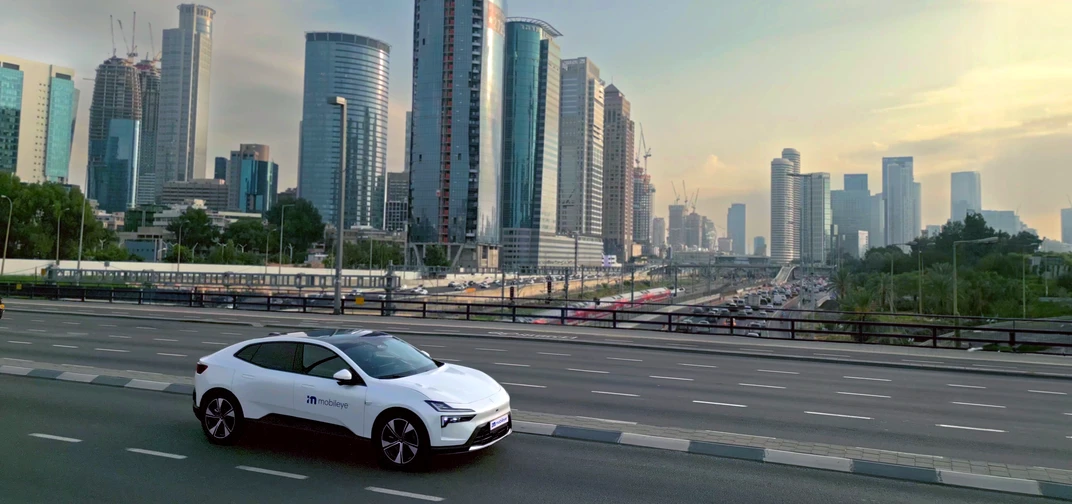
point(340, 208)
point(178, 251)
point(956, 293)
point(82, 227)
point(282, 216)
point(10, 207)
point(58, 236)
point(1023, 289)
point(920, 255)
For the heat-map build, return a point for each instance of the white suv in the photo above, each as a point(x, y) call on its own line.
point(360, 383)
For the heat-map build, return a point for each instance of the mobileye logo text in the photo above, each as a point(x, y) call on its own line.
point(326, 402)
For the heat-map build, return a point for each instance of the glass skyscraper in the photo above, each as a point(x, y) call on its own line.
point(114, 181)
point(114, 116)
point(965, 194)
point(900, 195)
point(38, 106)
point(736, 227)
point(357, 69)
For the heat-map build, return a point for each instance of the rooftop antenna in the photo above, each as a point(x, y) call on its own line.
point(111, 24)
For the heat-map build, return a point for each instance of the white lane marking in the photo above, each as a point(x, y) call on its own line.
point(450, 360)
point(171, 354)
point(1047, 392)
point(992, 367)
point(755, 350)
point(77, 365)
point(964, 386)
point(103, 325)
point(681, 345)
point(490, 349)
point(760, 386)
point(697, 365)
point(623, 422)
point(901, 453)
point(399, 493)
point(55, 438)
point(272, 473)
point(978, 404)
point(587, 371)
point(447, 330)
point(164, 339)
point(523, 385)
point(19, 342)
point(922, 361)
point(657, 377)
point(77, 334)
point(624, 359)
point(1069, 414)
point(833, 355)
point(156, 453)
point(231, 334)
point(720, 404)
point(64, 346)
point(17, 360)
point(736, 434)
point(554, 354)
point(614, 393)
point(865, 378)
point(776, 371)
point(215, 343)
point(510, 364)
point(865, 395)
point(146, 328)
point(118, 336)
point(838, 415)
point(188, 330)
point(111, 350)
point(433, 346)
point(36, 330)
point(968, 428)
point(38, 321)
point(616, 341)
point(73, 323)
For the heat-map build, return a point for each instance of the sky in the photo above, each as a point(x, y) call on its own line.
point(719, 86)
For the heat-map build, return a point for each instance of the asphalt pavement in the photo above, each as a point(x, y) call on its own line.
point(1016, 420)
point(89, 444)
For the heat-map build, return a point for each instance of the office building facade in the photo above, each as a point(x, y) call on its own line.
point(114, 123)
point(876, 231)
point(851, 208)
point(784, 209)
point(676, 227)
point(643, 192)
point(252, 179)
point(219, 171)
point(1066, 225)
point(855, 182)
point(114, 180)
point(397, 207)
point(1005, 221)
point(580, 188)
point(900, 194)
point(658, 232)
point(816, 218)
point(854, 244)
point(759, 246)
point(38, 106)
point(965, 194)
point(693, 231)
point(618, 164)
point(214, 192)
point(185, 76)
point(149, 82)
point(736, 228)
point(357, 69)
point(456, 150)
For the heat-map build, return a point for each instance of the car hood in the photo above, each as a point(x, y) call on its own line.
point(454, 385)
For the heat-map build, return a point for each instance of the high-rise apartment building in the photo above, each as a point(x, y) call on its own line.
point(38, 105)
point(252, 179)
point(642, 199)
point(219, 171)
point(815, 217)
point(355, 68)
point(618, 165)
point(876, 230)
point(965, 194)
point(114, 135)
point(676, 227)
point(658, 232)
point(759, 246)
point(397, 207)
point(149, 81)
point(736, 228)
point(693, 231)
point(456, 151)
point(708, 234)
point(580, 177)
point(851, 207)
point(185, 75)
point(784, 209)
point(900, 195)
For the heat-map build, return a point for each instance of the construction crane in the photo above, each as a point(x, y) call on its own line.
point(111, 25)
point(686, 191)
point(677, 197)
point(695, 196)
point(643, 150)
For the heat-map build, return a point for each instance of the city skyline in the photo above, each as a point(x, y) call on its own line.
point(996, 111)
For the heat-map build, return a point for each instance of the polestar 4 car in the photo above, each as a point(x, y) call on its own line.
point(350, 382)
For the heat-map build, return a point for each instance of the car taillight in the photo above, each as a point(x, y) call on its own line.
point(201, 367)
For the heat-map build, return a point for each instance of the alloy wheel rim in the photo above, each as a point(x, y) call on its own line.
point(399, 441)
point(220, 418)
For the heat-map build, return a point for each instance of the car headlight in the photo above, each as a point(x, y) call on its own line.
point(443, 407)
point(446, 420)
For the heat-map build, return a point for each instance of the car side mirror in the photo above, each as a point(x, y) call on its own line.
point(344, 377)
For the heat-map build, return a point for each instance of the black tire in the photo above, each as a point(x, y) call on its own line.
point(221, 418)
point(400, 441)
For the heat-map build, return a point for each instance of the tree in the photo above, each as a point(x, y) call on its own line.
point(197, 229)
point(247, 235)
point(436, 256)
point(37, 210)
point(302, 225)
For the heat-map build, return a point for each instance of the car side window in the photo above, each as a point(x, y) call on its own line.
point(246, 353)
point(321, 362)
point(277, 356)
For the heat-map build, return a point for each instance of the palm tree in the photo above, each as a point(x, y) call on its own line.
point(860, 305)
point(842, 282)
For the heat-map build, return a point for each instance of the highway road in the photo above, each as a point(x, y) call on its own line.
point(1016, 420)
point(90, 444)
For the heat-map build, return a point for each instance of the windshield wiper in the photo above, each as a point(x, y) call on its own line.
point(397, 375)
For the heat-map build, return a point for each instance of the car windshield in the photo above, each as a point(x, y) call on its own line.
point(386, 357)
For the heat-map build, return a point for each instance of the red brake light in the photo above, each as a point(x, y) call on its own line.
point(201, 367)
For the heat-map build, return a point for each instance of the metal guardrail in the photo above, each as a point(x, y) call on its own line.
point(793, 325)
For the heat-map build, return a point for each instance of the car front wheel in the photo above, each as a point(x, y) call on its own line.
point(221, 418)
point(401, 442)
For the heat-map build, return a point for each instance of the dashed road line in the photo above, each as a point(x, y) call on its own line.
point(146, 328)
point(865, 378)
point(697, 365)
point(213, 343)
point(433, 346)
point(977, 404)
point(118, 336)
point(188, 330)
point(555, 354)
point(1050, 392)
point(624, 359)
point(171, 355)
point(165, 339)
point(994, 367)
point(755, 350)
point(156, 453)
point(776, 371)
point(588, 371)
point(272, 473)
point(489, 349)
point(877, 396)
point(55, 438)
point(231, 334)
point(922, 361)
point(623, 422)
point(116, 350)
point(77, 334)
point(17, 360)
point(400, 493)
point(964, 386)
point(16, 342)
point(103, 325)
point(614, 393)
point(64, 346)
point(73, 323)
point(961, 427)
point(449, 360)
point(37, 321)
point(37, 330)
point(720, 404)
point(657, 377)
point(760, 386)
point(510, 364)
point(820, 413)
point(523, 385)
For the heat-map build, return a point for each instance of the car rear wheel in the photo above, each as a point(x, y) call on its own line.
point(221, 418)
point(401, 442)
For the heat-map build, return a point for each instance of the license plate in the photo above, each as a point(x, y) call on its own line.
point(499, 422)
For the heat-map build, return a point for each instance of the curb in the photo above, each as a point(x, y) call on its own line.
point(638, 346)
point(840, 464)
point(763, 455)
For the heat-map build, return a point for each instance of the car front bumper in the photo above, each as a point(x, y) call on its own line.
point(482, 438)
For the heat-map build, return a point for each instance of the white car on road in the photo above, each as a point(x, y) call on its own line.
point(360, 383)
